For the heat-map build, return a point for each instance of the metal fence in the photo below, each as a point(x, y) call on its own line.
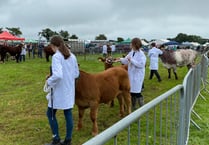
point(164, 120)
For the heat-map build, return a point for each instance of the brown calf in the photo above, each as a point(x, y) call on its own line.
point(103, 87)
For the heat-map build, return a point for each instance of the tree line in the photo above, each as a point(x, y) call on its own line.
point(47, 33)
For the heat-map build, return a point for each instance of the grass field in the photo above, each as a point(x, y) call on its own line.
point(23, 104)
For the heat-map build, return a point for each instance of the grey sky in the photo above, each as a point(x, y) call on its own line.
point(149, 19)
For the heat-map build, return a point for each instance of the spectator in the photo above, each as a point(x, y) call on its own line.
point(109, 50)
point(23, 53)
point(104, 50)
point(30, 49)
point(40, 49)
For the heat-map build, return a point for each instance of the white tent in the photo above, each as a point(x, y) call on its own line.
point(144, 42)
point(159, 41)
point(206, 44)
point(195, 43)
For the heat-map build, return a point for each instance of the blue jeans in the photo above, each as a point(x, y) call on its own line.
point(54, 125)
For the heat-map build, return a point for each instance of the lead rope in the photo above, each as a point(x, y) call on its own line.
point(52, 103)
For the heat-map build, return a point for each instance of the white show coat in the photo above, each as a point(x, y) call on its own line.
point(153, 54)
point(104, 49)
point(136, 69)
point(64, 72)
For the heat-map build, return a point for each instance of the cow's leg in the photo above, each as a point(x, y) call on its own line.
point(112, 103)
point(3, 57)
point(47, 58)
point(169, 73)
point(121, 104)
point(127, 99)
point(190, 66)
point(174, 71)
point(93, 115)
point(80, 117)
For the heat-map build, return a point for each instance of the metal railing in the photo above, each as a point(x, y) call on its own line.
point(164, 120)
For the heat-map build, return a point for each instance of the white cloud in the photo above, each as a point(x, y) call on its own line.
point(114, 18)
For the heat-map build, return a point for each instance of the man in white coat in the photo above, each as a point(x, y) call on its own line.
point(153, 54)
point(136, 61)
point(62, 81)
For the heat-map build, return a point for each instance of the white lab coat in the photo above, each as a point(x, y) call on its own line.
point(23, 52)
point(153, 54)
point(64, 73)
point(104, 49)
point(136, 69)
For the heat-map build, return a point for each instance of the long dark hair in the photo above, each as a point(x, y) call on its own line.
point(136, 42)
point(59, 42)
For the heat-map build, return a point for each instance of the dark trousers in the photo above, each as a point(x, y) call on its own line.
point(137, 97)
point(22, 57)
point(54, 125)
point(152, 72)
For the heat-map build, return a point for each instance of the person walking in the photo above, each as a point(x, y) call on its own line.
point(64, 71)
point(136, 61)
point(153, 54)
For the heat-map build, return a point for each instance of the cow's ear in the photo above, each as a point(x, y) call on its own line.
point(101, 59)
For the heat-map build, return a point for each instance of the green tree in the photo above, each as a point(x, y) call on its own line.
point(190, 38)
point(101, 37)
point(47, 33)
point(64, 34)
point(73, 37)
point(181, 38)
point(120, 39)
point(14, 31)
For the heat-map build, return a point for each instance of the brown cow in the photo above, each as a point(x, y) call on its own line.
point(108, 63)
point(12, 50)
point(48, 52)
point(103, 87)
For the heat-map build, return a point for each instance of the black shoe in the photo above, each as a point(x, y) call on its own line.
point(54, 142)
point(140, 101)
point(66, 142)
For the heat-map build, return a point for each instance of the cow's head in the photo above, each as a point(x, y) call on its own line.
point(108, 61)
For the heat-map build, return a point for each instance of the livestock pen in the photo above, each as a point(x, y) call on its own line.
point(164, 120)
point(23, 106)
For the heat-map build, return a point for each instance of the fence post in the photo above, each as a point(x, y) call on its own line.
point(181, 129)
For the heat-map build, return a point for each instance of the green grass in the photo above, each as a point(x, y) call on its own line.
point(23, 104)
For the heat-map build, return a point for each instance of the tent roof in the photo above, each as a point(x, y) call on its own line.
point(31, 41)
point(7, 36)
point(171, 43)
point(127, 41)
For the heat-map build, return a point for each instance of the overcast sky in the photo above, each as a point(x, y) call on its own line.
point(149, 19)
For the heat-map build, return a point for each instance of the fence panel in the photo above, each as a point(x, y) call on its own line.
point(164, 120)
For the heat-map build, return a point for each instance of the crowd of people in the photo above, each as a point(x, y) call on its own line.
point(33, 50)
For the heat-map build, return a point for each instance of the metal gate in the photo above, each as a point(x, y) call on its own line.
point(164, 120)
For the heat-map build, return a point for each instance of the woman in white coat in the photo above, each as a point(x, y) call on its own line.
point(136, 61)
point(153, 54)
point(62, 81)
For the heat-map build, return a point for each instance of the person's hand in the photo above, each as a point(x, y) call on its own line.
point(117, 60)
point(47, 76)
point(128, 58)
